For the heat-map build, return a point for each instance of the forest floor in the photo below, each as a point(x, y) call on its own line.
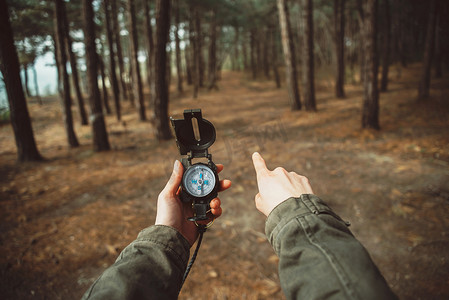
point(64, 220)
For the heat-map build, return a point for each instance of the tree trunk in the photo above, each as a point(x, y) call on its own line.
point(74, 67)
point(424, 84)
point(266, 49)
point(103, 84)
point(134, 47)
point(112, 74)
point(236, 46)
point(386, 47)
point(370, 110)
point(99, 134)
point(178, 48)
point(252, 50)
point(10, 67)
point(274, 56)
point(245, 52)
point(289, 55)
point(199, 47)
point(25, 77)
point(339, 25)
point(308, 66)
point(161, 101)
point(213, 53)
point(438, 62)
point(150, 52)
point(66, 101)
point(36, 86)
point(193, 35)
point(187, 56)
point(116, 31)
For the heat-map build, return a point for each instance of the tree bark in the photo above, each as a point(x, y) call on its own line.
point(25, 77)
point(10, 67)
point(370, 110)
point(265, 51)
point(112, 72)
point(161, 101)
point(289, 55)
point(236, 47)
point(252, 50)
point(424, 84)
point(103, 84)
point(188, 56)
point(66, 101)
point(134, 47)
point(308, 67)
point(213, 53)
point(150, 52)
point(118, 44)
point(199, 47)
point(438, 61)
point(178, 48)
point(74, 67)
point(36, 86)
point(339, 25)
point(99, 134)
point(386, 47)
point(193, 35)
point(274, 56)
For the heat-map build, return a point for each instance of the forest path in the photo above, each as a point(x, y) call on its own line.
point(66, 219)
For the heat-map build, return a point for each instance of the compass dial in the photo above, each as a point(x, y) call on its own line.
point(199, 180)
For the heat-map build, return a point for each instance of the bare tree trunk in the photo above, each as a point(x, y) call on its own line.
point(370, 111)
point(10, 67)
point(150, 53)
point(36, 86)
point(74, 67)
point(252, 51)
point(213, 53)
point(187, 56)
point(25, 77)
point(161, 101)
point(103, 84)
point(386, 47)
point(137, 85)
point(245, 52)
point(274, 56)
point(424, 84)
point(339, 24)
point(265, 51)
point(112, 74)
point(289, 55)
point(193, 35)
point(438, 47)
point(199, 47)
point(236, 47)
point(66, 101)
point(178, 48)
point(99, 134)
point(116, 32)
point(308, 66)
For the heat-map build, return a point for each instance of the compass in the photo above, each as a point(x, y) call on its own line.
point(199, 185)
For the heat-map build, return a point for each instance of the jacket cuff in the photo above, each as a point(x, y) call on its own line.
point(291, 209)
point(170, 239)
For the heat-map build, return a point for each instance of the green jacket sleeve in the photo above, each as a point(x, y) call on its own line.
point(151, 267)
point(319, 258)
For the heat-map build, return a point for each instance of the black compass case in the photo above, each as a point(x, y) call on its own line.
point(194, 143)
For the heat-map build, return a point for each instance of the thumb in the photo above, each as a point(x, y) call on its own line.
point(259, 164)
point(175, 179)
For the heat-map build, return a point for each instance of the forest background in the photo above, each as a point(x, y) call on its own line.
point(351, 93)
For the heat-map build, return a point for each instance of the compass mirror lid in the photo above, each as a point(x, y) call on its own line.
point(193, 133)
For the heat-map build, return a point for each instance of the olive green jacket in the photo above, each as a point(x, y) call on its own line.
point(319, 258)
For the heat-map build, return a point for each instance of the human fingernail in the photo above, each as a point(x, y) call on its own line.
point(176, 166)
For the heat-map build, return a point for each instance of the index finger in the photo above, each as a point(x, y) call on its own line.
point(259, 164)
